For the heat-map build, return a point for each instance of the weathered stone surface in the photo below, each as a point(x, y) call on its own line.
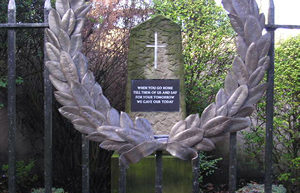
point(169, 66)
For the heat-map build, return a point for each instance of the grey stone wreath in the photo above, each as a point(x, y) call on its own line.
point(84, 104)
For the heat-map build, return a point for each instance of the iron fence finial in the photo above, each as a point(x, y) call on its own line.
point(47, 5)
point(12, 5)
point(271, 12)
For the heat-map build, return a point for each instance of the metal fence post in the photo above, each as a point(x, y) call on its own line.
point(196, 171)
point(85, 164)
point(158, 172)
point(47, 114)
point(11, 98)
point(232, 163)
point(122, 178)
point(270, 105)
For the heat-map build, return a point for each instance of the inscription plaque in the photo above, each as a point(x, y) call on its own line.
point(154, 95)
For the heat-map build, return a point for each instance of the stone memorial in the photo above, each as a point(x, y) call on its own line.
point(155, 86)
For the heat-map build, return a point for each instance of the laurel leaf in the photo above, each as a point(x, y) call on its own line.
point(64, 98)
point(127, 136)
point(79, 26)
point(205, 145)
point(227, 4)
point(237, 24)
point(83, 129)
point(214, 122)
point(93, 115)
point(256, 93)
point(62, 6)
point(70, 112)
point(237, 99)
point(95, 94)
point(125, 121)
point(262, 20)
point(266, 64)
point(256, 77)
point(81, 95)
point(59, 85)
point(138, 152)
point(111, 133)
point(68, 67)
point(130, 135)
point(208, 113)
point(192, 120)
point(82, 11)
point(241, 47)
point(192, 137)
point(88, 81)
point(52, 52)
point(145, 127)
point(113, 117)
point(54, 69)
point(102, 103)
point(222, 111)
point(54, 21)
point(64, 40)
point(181, 151)
point(68, 21)
point(240, 70)
point(253, 8)
point(263, 60)
point(245, 111)
point(230, 84)
point(81, 64)
point(263, 45)
point(178, 127)
point(75, 4)
point(238, 124)
point(96, 136)
point(251, 58)
point(185, 134)
point(252, 30)
point(83, 126)
point(51, 38)
point(91, 120)
point(96, 90)
point(189, 137)
point(125, 148)
point(111, 145)
point(182, 127)
point(76, 44)
point(241, 7)
point(221, 98)
point(218, 129)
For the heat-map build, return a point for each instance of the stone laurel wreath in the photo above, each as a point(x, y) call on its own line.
point(90, 112)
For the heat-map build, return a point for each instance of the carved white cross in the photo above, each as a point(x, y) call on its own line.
point(155, 46)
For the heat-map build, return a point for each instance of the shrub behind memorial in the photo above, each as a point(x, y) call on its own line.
point(207, 47)
point(286, 152)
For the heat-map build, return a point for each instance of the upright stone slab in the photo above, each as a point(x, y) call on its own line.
point(155, 86)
